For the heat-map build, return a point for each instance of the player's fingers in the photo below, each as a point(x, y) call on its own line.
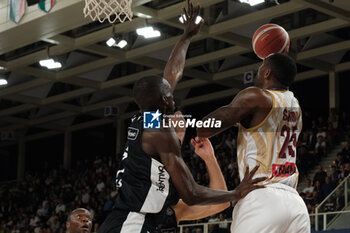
point(186, 16)
point(189, 6)
point(246, 174)
point(197, 10)
point(257, 180)
point(259, 187)
point(252, 173)
point(198, 139)
point(191, 9)
point(193, 142)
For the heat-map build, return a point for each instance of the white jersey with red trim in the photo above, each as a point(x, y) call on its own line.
point(272, 143)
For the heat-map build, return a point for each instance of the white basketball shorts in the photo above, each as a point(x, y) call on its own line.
point(277, 208)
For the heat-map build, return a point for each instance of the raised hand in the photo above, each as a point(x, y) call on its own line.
point(249, 184)
point(203, 148)
point(189, 17)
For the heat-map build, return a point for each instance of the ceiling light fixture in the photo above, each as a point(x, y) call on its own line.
point(141, 15)
point(148, 32)
point(50, 63)
point(116, 41)
point(111, 41)
point(122, 43)
point(252, 2)
point(3, 82)
point(3, 79)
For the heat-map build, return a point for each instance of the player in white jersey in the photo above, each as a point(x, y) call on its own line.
point(269, 119)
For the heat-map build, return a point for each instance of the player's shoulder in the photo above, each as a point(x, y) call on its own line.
point(254, 93)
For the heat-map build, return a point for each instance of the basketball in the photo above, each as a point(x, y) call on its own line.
point(269, 39)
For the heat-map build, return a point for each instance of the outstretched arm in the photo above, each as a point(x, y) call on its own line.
point(243, 106)
point(184, 212)
point(164, 142)
point(174, 68)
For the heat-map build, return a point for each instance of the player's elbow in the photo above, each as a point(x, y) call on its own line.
point(190, 200)
point(191, 197)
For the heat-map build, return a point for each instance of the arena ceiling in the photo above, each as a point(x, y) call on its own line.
point(38, 102)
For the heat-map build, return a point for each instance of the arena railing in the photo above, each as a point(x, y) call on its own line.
point(337, 200)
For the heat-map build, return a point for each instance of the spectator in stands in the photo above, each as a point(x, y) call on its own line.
point(311, 139)
point(309, 188)
point(335, 175)
point(320, 175)
point(34, 221)
point(85, 197)
point(79, 221)
point(304, 160)
point(55, 225)
point(223, 227)
point(339, 160)
point(346, 152)
point(333, 119)
point(331, 135)
point(316, 197)
point(314, 126)
point(107, 206)
point(15, 229)
point(321, 122)
point(330, 205)
point(326, 188)
point(321, 132)
point(213, 228)
point(342, 172)
point(317, 186)
point(43, 211)
point(307, 120)
point(60, 207)
point(320, 147)
point(344, 122)
point(339, 199)
point(230, 142)
point(346, 170)
point(100, 185)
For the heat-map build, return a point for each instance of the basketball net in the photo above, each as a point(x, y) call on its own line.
point(112, 10)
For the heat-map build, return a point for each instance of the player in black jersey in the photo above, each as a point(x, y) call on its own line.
point(169, 217)
point(153, 175)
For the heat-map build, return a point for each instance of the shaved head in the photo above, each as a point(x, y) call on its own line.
point(149, 92)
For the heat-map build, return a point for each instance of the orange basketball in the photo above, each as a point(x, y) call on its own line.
point(269, 39)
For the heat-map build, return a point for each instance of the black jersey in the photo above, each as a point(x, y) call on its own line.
point(143, 183)
point(165, 220)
